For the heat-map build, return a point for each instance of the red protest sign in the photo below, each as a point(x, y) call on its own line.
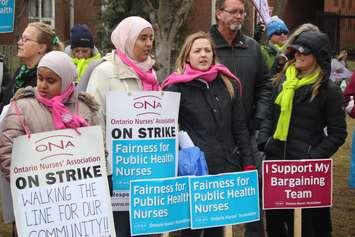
point(297, 184)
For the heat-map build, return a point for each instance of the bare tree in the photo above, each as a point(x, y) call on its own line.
point(167, 18)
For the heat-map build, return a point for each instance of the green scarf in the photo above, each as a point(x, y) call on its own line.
point(83, 63)
point(285, 98)
point(24, 73)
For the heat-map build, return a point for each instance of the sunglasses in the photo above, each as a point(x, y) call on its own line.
point(303, 53)
point(280, 32)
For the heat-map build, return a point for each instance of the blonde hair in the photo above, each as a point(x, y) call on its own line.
point(185, 51)
point(315, 87)
point(342, 55)
point(46, 35)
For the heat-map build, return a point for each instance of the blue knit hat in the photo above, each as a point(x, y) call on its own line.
point(275, 25)
point(80, 36)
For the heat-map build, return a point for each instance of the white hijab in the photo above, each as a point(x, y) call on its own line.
point(60, 63)
point(124, 37)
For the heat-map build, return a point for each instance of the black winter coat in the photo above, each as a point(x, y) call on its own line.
point(215, 123)
point(317, 128)
point(243, 58)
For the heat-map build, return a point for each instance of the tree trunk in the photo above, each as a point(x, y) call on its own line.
point(279, 7)
point(167, 21)
point(248, 26)
point(163, 50)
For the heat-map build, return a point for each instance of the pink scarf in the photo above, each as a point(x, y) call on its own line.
point(61, 116)
point(149, 80)
point(191, 74)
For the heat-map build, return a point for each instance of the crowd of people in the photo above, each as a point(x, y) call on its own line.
point(240, 103)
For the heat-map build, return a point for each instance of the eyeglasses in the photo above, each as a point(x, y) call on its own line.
point(24, 39)
point(239, 12)
point(280, 32)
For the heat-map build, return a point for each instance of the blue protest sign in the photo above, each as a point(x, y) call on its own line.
point(352, 165)
point(159, 205)
point(225, 199)
point(7, 12)
point(138, 159)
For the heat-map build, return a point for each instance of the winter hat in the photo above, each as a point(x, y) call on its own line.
point(80, 36)
point(275, 25)
point(60, 63)
point(316, 43)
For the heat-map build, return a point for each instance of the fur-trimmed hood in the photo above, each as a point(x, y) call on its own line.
point(86, 98)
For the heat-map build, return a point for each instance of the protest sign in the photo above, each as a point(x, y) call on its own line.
point(159, 205)
point(263, 9)
point(297, 184)
point(352, 164)
point(224, 199)
point(141, 132)
point(7, 13)
point(59, 184)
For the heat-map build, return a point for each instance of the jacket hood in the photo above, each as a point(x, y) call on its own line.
point(26, 92)
point(316, 43)
point(89, 100)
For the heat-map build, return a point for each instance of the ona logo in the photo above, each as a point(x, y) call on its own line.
point(147, 104)
point(56, 145)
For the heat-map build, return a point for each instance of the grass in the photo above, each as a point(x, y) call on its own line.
point(351, 65)
point(343, 197)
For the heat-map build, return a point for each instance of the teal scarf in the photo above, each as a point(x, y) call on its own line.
point(23, 74)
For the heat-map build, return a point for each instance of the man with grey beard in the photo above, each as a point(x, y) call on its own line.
point(241, 54)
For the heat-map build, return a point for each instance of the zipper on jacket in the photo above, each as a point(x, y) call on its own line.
point(204, 82)
point(285, 147)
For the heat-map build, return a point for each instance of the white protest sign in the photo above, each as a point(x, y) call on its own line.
point(59, 184)
point(141, 138)
point(263, 9)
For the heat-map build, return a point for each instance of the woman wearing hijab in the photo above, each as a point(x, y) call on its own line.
point(53, 104)
point(128, 68)
point(306, 121)
point(211, 111)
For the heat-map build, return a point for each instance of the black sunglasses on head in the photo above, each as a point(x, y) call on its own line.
point(280, 32)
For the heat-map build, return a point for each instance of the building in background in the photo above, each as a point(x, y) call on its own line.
point(334, 17)
point(60, 14)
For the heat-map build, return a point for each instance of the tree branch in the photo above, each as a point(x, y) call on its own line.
point(183, 11)
point(148, 6)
